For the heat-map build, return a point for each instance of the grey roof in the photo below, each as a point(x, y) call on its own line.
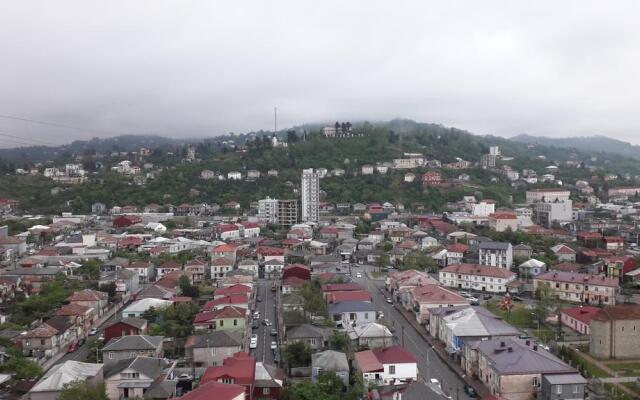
point(447, 310)
point(494, 245)
point(522, 246)
point(151, 367)
point(308, 331)
point(60, 323)
point(134, 342)
point(67, 372)
point(163, 389)
point(330, 360)
point(135, 322)
point(478, 321)
point(32, 271)
point(215, 339)
point(116, 261)
point(565, 379)
point(350, 306)
point(522, 359)
point(155, 291)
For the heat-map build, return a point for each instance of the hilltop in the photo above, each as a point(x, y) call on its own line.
point(596, 144)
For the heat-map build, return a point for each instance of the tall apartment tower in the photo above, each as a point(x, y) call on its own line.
point(310, 195)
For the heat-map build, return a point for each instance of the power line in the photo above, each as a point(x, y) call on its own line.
point(57, 125)
point(31, 141)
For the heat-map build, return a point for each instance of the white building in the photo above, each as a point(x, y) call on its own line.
point(480, 278)
point(547, 195)
point(483, 208)
point(546, 213)
point(234, 175)
point(496, 254)
point(310, 196)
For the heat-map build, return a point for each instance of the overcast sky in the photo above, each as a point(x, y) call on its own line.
point(203, 68)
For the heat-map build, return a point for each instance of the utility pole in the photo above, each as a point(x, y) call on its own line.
point(402, 329)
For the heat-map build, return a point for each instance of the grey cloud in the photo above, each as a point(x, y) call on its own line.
point(193, 68)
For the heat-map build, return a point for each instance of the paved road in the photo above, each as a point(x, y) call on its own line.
point(81, 353)
point(429, 364)
point(267, 310)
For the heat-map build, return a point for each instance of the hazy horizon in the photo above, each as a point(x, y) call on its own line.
point(198, 69)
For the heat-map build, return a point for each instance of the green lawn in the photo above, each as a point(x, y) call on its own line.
point(520, 316)
point(626, 369)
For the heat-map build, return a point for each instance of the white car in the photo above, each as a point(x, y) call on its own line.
point(274, 345)
point(256, 315)
point(253, 343)
point(93, 332)
point(435, 382)
point(358, 275)
point(388, 300)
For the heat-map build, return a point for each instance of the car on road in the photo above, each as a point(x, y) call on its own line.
point(388, 300)
point(72, 347)
point(487, 297)
point(435, 382)
point(93, 332)
point(380, 314)
point(258, 299)
point(276, 357)
point(256, 315)
point(274, 332)
point(253, 343)
point(470, 391)
point(473, 299)
point(517, 298)
point(274, 345)
point(255, 324)
point(358, 275)
point(266, 322)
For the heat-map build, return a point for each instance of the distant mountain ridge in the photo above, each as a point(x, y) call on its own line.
point(595, 143)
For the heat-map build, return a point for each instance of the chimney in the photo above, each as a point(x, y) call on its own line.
point(535, 347)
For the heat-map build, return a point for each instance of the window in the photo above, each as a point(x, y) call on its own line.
point(559, 389)
point(566, 286)
point(392, 369)
point(535, 382)
point(266, 391)
point(557, 286)
point(235, 322)
point(221, 323)
point(213, 351)
point(42, 341)
point(312, 341)
point(576, 389)
point(111, 355)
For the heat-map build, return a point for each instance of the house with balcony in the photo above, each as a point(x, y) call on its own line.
point(387, 366)
point(138, 377)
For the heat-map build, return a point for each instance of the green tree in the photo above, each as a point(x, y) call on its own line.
point(314, 302)
point(340, 341)
point(186, 288)
point(81, 390)
point(20, 367)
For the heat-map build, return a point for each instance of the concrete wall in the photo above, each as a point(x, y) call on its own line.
point(615, 339)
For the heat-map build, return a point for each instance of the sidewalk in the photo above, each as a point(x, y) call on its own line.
point(439, 348)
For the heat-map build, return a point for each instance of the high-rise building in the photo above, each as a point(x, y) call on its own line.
point(268, 210)
point(278, 212)
point(287, 212)
point(310, 191)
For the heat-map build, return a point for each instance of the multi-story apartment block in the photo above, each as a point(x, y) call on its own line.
point(579, 288)
point(476, 277)
point(278, 212)
point(546, 213)
point(496, 254)
point(547, 195)
point(310, 195)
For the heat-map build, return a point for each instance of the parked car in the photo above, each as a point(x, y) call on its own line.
point(255, 324)
point(72, 347)
point(258, 299)
point(93, 332)
point(435, 382)
point(266, 322)
point(470, 391)
point(274, 345)
point(253, 343)
point(389, 300)
point(487, 297)
point(517, 298)
point(274, 332)
point(358, 275)
point(256, 315)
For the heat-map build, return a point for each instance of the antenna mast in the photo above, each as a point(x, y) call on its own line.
point(275, 120)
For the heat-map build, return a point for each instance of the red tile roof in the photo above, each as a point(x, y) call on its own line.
point(503, 215)
point(582, 314)
point(214, 391)
point(480, 270)
point(224, 248)
point(458, 248)
point(374, 360)
point(241, 367)
point(340, 287)
point(233, 289)
point(352, 295)
point(230, 299)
